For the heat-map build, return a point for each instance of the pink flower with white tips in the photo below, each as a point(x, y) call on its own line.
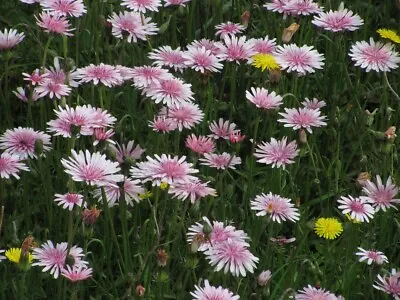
point(106, 74)
point(202, 60)
point(54, 24)
point(36, 77)
point(277, 153)
point(220, 161)
point(127, 151)
point(73, 8)
point(209, 292)
point(358, 208)
point(228, 28)
point(200, 144)
point(302, 118)
point(221, 129)
point(339, 20)
point(75, 274)
point(186, 115)
point(166, 56)
point(52, 89)
point(69, 200)
point(379, 195)
point(175, 2)
point(142, 5)
point(389, 284)
point(10, 165)
point(372, 256)
point(212, 46)
point(312, 293)
point(9, 38)
point(263, 99)
point(263, 45)
point(303, 7)
point(194, 190)
point(236, 49)
point(145, 76)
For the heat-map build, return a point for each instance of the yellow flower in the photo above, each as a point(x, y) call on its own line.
point(163, 185)
point(328, 228)
point(389, 34)
point(265, 61)
point(14, 255)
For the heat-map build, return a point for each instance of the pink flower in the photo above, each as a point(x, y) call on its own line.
point(312, 293)
point(263, 45)
point(164, 168)
point(69, 200)
point(145, 76)
point(132, 26)
point(186, 115)
point(76, 273)
point(228, 28)
point(171, 92)
point(313, 104)
point(212, 46)
point(102, 134)
point(279, 208)
point(372, 256)
point(280, 6)
point(166, 56)
point(163, 124)
point(9, 38)
point(94, 169)
point(57, 75)
point(194, 189)
point(302, 118)
point(54, 24)
point(209, 292)
point(131, 190)
point(175, 2)
point(264, 277)
point(299, 59)
point(233, 256)
point(200, 144)
point(53, 259)
point(277, 153)
point(261, 98)
point(379, 195)
point(106, 74)
point(73, 8)
point(22, 142)
point(48, 87)
point(20, 93)
point(222, 129)
point(36, 77)
point(202, 60)
point(374, 56)
point(389, 284)
point(127, 151)
point(303, 7)
point(142, 5)
point(220, 161)
point(236, 137)
point(357, 208)
point(339, 20)
point(236, 49)
point(10, 165)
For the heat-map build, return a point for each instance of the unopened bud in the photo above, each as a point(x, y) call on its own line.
point(289, 32)
point(90, 216)
point(264, 278)
point(303, 136)
point(245, 17)
point(38, 147)
point(390, 133)
point(275, 75)
point(140, 290)
point(362, 178)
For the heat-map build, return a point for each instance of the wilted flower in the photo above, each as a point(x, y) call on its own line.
point(289, 32)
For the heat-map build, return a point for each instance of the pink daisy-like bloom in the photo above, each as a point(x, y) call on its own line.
point(145, 76)
point(10, 165)
point(312, 293)
point(170, 92)
point(303, 7)
point(128, 151)
point(194, 189)
point(125, 72)
point(279, 208)
point(142, 5)
point(372, 256)
point(58, 75)
point(52, 89)
point(20, 93)
point(212, 46)
point(73, 8)
point(175, 2)
point(53, 258)
point(36, 77)
point(102, 134)
point(220, 161)
point(164, 168)
point(131, 25)
point(54, 24)
point(339, 20)
point(75, 273)
point(231, 256)
point(277, 153)
point(222, 129)
point(106, 74)
point(9, 38)
point(69, 200)
point(163, 124)
point(101, 118)
point(280, 6)
point(302, 118)
point(236, 49)
point(200, 144)
point(379, 195)
point(313, 104)
point(374, 56)
point(131, 189)
point(236, 137)
point(200, 59)
point(228, 28)
point(94, 169)
point(21, 142)
point(186, 115)
point(261, 98)
point(263, 45)
point(209, 292)
point(358, 208)
point(389, 284)
point(166, 56)
point(299, 59)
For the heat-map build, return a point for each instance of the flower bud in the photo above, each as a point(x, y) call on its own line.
point(289, 32)
point(264, 277)
point(90, 216)
point(140, 290)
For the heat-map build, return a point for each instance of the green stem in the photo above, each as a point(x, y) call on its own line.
point(124, 225)
point(46, 49)
point(390, 87)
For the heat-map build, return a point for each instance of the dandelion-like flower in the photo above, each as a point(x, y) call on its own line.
point(54, 24)
point(209, 292)
point(128, 151)
point(14, 255)
point(175, 2)
point(313, 104)
point(265, 61)
point(145, 76)
point(9, 38)
point(379, 195)
point(94, 169)
point(200, 144)
point(303, 7)
point(221, 129)
point(372, 256)
point(374, 56)
point(165, 56)
point(220, 161)
point(106, 74)
point(339, 20)
point(142, 5)
point(263, 99)
point(193, 189)
point(69, 200)
point(163, 124)
point(202, 60)
point(277, 153)
point(52, 89)
point(279, 208)
point(73, 8)
point(263, 45)
point(302, 118)
point(236, 49)
point(302, 59)
point(185, 115)
point(228, 28)
point(328, 228)
point(312, 293)
point(11, 165)
point(280, 6)
point(164, 168)
point(389, 284)
point(389, 34)
point(358, 208)
point(214, 47)
point(76, 273)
